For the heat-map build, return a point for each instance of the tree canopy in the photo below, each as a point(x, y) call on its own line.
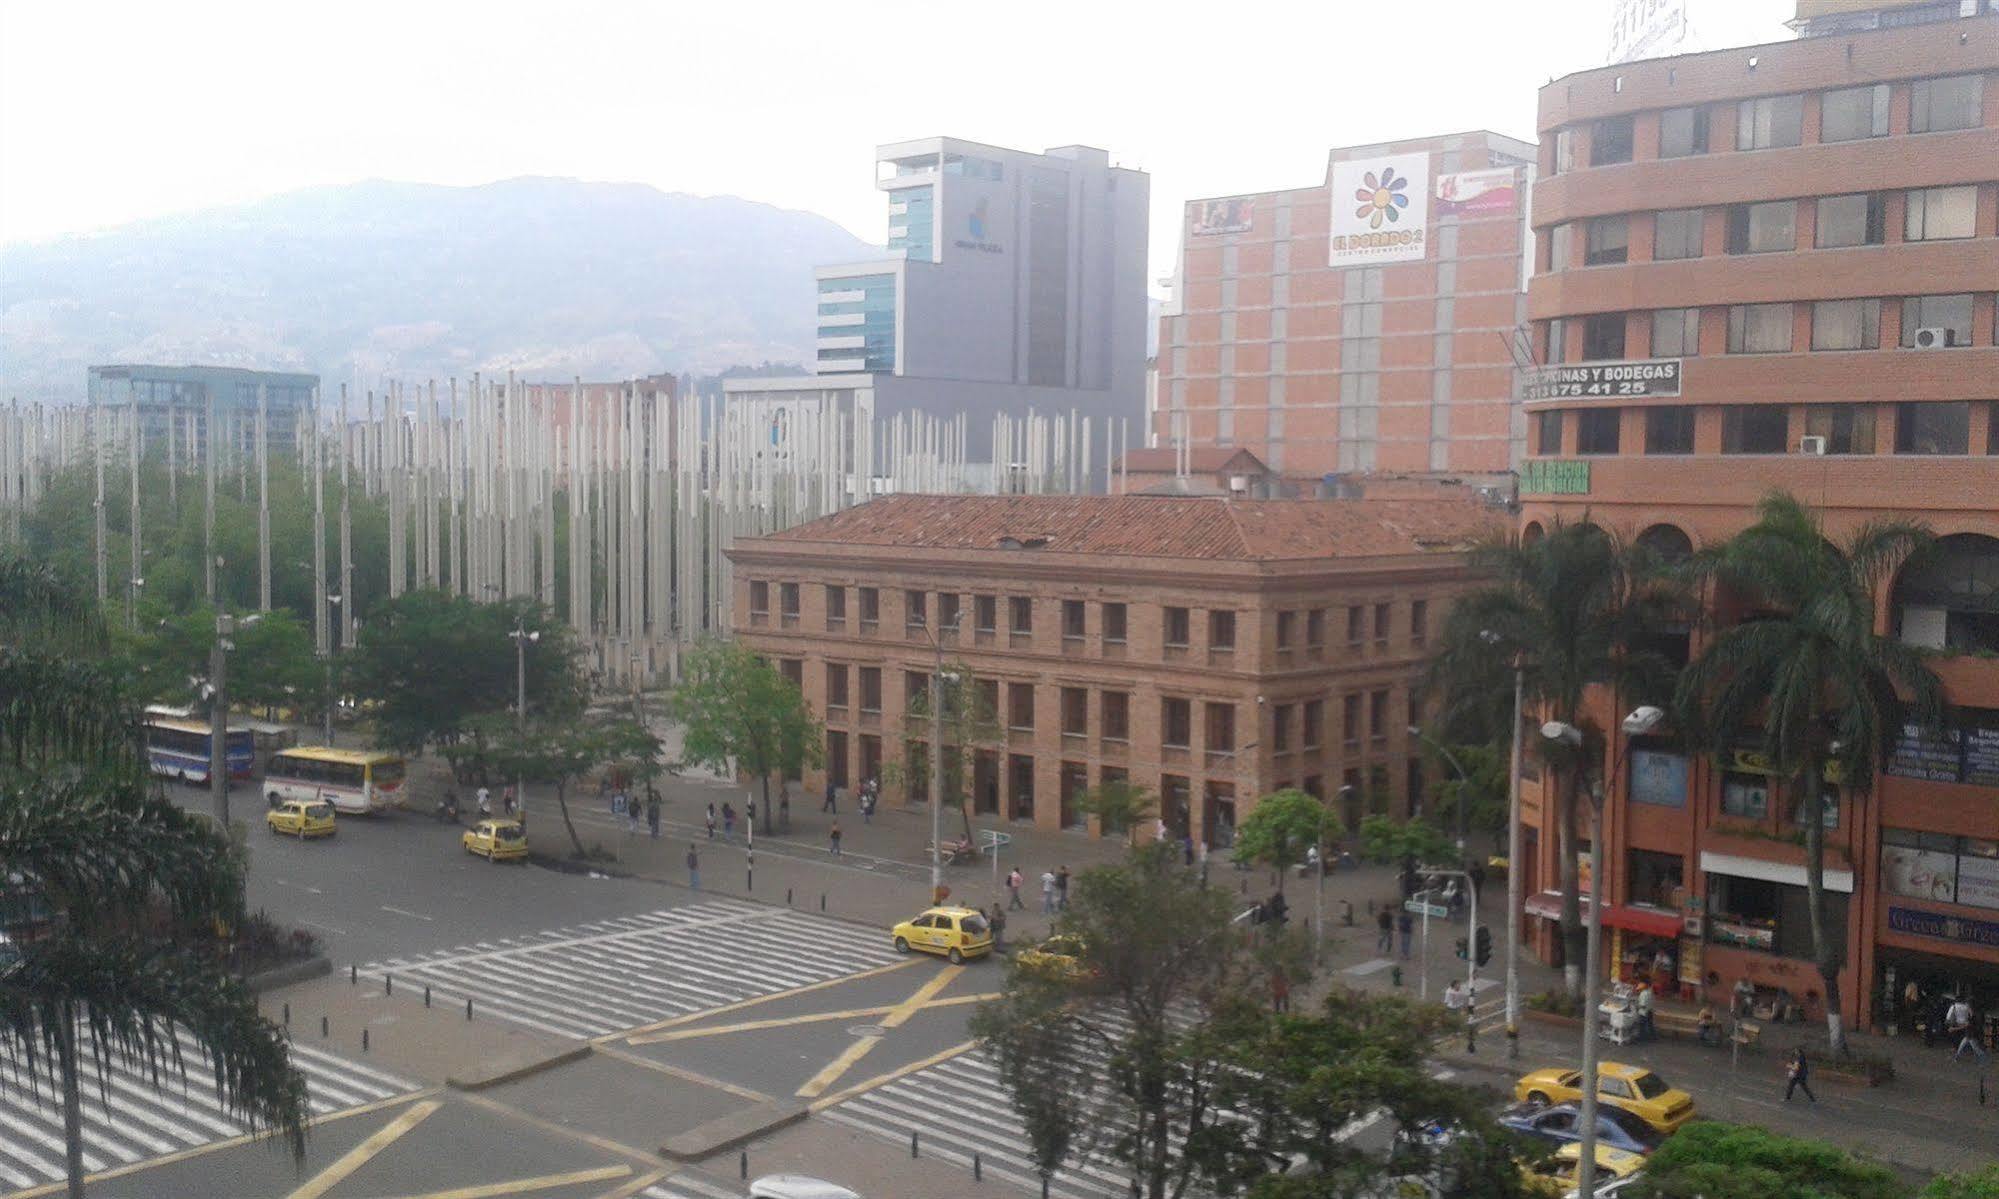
point(737, 711)
point(1282, 828)
point(1711, 1160)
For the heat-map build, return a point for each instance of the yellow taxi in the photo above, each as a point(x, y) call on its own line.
point(301, 818)
point(1633, 1088)
point(955, 933)
point(497, 840)
point(1557, 1176)
point(1060, 957)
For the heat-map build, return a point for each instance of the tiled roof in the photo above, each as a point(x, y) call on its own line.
point(1204, 460)
point(1153, 526)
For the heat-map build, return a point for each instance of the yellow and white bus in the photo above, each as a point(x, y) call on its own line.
point(352, 780)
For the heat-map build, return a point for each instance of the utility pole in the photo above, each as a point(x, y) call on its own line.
point(208, 494)
point(937, 760)
point(263, 499)
point(1513, 870)
point(522, 637)
point(137, 575)
point(218, 717)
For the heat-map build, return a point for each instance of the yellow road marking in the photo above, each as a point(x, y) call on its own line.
point(740, 1004)
point(360, 1155)
point(894, 1019)
point(521, 1186)
point(636, 1185)
point(859, 1088)
point(716, 1030)
point(552, 1128)
point(51, 1188)
point(639, 1059)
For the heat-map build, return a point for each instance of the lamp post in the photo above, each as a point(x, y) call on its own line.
point(522, 638)
point(1319, 884)
point(1464, 781)
point(334, 599)
point(937, 755)
point(1513, 880)
point(218, 712)
point(1641, 721)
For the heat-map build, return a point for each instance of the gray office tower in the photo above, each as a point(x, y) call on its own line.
point(178, 398)
point(1011, 281)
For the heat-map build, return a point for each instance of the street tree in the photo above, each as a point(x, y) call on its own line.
point(1482, 790)
point(1977, 1184)
point(1822, 689)
point(82, 824)
point(1574, 609)
point(1281, 829)
point(970, 724)
point(1120, 806)
point(555, 753)
point(1712, 1160)
point(1406, 844)
point(737, 711)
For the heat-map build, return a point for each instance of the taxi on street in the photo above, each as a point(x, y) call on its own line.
point(301, 818)
point(1633, 1088)
point(952, 932)
point(497, 840)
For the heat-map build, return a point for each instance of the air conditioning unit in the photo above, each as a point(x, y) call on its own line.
point(1811, 445)
point(1932, 338)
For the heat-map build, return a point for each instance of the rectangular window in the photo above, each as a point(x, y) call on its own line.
point(1557, 338)
point(1221, 630)
point(1176, 723)
point(836, 685)
point(1020, 615)
point(871, 606)
point(1179, 627)
point(985, 613)
point(759, 598)
point(915, 609)
point(1682, 132)
point(1933, 428)
point(947, 611)
point(1114, 616)
point(1846, 325)
point(1287, 628)
point(1377, 714)
point(1315, 628)
point(1669, 430)
point(836, 606)
point(1759, 329)
point(1954, 102)
point(1606, 240)
point(1755, 429)
point(787, 600)
point(1992, 427)
point(1220, 728)
point(1941, 213)
point(1946, 318)
point(1847, 428)
point(1676, 233)
point(1769, 122)
point(1020, 705)
point(1610, 141)
point(1117, 715)
point(1350, 720)
point(1745, 795)
point(1547, 432)
point(1676, 332)
point(1075, 711)
point(871, 689)
point(1565, 151)
point(1381, 617)
point(1356, 624)
point(1280, 728)
point(1860, 219)
point(1072, 618)
point(1562, 247)
point(1603, 336)
point(1312, 725)
point(1596, 430)
point(1419, 621)
point(1852, 113)
point(1763, 228)
point(915, 691)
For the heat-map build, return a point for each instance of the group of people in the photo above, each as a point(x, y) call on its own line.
point(1054, 890)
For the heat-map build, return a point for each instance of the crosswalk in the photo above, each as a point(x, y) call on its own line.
point(128, 1117)
point(688, 1186)
point(593, 979)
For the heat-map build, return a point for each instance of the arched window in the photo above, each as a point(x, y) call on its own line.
point(1669, 542)
point(1950, 598)
point(1532, 533)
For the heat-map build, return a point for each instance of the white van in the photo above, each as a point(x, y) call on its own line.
point(797, 1186)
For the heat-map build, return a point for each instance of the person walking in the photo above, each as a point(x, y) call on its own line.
point(784, 814)
point(1280, 992)
point(1062, 889)
point(1405, 925)
point(693, 868)
point(632, 813)
point(728, 823)
point(867, 807)
point(832, 800)
point(1957, 1021)
point(1047, 892)
point(652, 815)
point(1013, 882)
point(998, 919)
point(1800, 1076)
point(509, 802)
point(711, 820)
point(1384, 940)
point(1647, 1031)
point(834, 837)
point(485, 798)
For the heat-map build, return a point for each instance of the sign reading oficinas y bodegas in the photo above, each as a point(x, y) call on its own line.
point(1584, 380)
point(1381, 210)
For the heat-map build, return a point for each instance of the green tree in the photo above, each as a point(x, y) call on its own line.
point(1406, 843)
point(1575, 609)
point(1281, 829)
point(1483, 788)
point(555, 753)
point(1811, 675)
point(1978, 1184)
point(737, 711)
point(1711, 1160)
point(970, 725)
point(81, 821)
point(1120, 806)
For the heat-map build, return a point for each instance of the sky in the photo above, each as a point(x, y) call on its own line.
point(114, 111)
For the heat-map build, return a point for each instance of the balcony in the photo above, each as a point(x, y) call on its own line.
point(1642, 487)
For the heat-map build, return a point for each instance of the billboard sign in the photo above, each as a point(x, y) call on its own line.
point(1476, 193)
point(1589, 380)
point(1381, 210)
point(1234, 215)
point(1646, 29)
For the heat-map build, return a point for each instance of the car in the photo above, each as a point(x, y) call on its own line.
point(798, 1186)
point(496, 840)
point(1633, 1088)
point(1556, 1177)
point(1562, 1123)
point(1060, 957)
point(301, 818)
point(955, 933)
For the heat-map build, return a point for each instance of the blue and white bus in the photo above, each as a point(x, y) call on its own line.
point(179, 749)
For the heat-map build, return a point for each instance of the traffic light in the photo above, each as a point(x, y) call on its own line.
point(1462, 946)
point(1484, 945)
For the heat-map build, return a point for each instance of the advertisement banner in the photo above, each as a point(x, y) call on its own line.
point(1947, 928)
point(1234, 215)
point(1658, 778)
point(1381, 210)
point(1582, 380)
point(1918, 873)
point(1476, 193)
point(1977, 881)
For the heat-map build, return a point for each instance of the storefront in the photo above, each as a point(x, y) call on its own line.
point(1939, 932)
point(1645, 942)
point(1758, 924)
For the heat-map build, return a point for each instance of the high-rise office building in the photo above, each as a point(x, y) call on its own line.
point(179, 399)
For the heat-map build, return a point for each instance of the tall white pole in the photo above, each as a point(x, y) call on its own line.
point(1514, 867)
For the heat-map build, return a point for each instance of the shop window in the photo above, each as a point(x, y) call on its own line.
point(1754, 429)
point(1941, 214)
point(1851, 113)
point(1596, 430)
point(1769, 122)
point(1828, 809)
point(1743, 912)
point(1607, 240)
point(1860, 219)
point(1846, 325)
point(1934, 428)
point(1610, 141)
point(1846, 428)
point(1669, 429)
point(1950, 598)
point(1765, 228)
point(1936, 322)
point(1676, 333)
point(1759, 329)
point(1954, 102)
point(1676, 233)
point(1603, 336)
point(1746, 796)
point(1683, 132)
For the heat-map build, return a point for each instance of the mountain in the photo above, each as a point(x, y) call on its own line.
point(549, 277)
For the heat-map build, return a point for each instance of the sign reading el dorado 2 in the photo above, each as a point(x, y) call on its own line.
point(1554, 476)
point(1586, 380)
point(1381, 210)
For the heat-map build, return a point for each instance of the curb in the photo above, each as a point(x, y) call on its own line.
point(505, 1073)
point(316, 966)
point(736, 1128)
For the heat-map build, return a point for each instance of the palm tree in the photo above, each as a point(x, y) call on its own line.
point(1575, 609)
point(1809, 668)
point(81, 823)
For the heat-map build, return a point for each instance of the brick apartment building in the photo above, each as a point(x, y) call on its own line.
point(1212, 650)
point(1774, 267)
point(1327, 333)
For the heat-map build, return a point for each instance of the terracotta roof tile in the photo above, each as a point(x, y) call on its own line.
point(1200, 459)
point(1152, 526)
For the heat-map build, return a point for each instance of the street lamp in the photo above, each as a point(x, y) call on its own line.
point(1639, 722)
point(1319, 885)
point(1513, 880)
point(218, 713)
point(522, 638)
point(1464, 781)
point(334, 599)
point(937, 753)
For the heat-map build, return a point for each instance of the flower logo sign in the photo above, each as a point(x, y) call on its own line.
point(1382, 198)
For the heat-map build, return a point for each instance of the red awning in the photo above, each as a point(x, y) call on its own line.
point(1637, 918)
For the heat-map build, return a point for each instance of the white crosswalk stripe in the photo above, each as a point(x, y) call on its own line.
point(592, 979)
point(128, 1117)
point(686, 1186)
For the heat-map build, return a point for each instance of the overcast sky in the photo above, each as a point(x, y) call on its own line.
point(114, 111)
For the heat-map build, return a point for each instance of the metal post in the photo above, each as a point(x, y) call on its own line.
point(1592, 991)
point(1471, 966)
point(218, 720)
point(1319, 892)
point(1513, 869)
point(937, 768)
point(1423, 987)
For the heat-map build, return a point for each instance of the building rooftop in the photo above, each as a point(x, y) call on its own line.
point(1152, 526)
point(1201, 460)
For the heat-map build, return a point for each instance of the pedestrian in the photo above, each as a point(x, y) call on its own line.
point(1706, 1026)
point(1280, 992)
point(1013, 881)
point(1062, 889)
point(1047, 892)
point(728, 823)
point(1384, 923)
point(693, 868)
point(1743, 998)
point(834, 837)
point(1406, 926)
point(1454, 995)
point(652, 816)
point(711, 822)
point(632, 813)
point(1187, 851)
point(508, 801)
point(1647, 1031)
point(1801, 1076)
point(832, 801)
point(784, 813)
point(867, 808)
point(485, 802)
point(998, 919)
point(1958, 1021)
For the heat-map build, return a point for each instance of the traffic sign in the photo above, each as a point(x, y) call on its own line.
point(1418, 908)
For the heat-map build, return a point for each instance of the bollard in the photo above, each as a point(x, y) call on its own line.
point(912, 1142)
point(822, 901)
point(977, 1174)
point(787, 897)
point(426, 995)
point(353, 975)
point(468, 1009)
point(743, 1164)
point(750, 878)
point(364, 1040)
point(322, 1026)
point(288, 1015)
point(388, 985)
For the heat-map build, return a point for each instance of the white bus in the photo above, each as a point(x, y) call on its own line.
point(179, 749)
point(352, 780)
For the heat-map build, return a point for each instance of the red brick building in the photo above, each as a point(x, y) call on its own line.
point(1774, 267)
point(1212, 650)
point(1327, 333)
